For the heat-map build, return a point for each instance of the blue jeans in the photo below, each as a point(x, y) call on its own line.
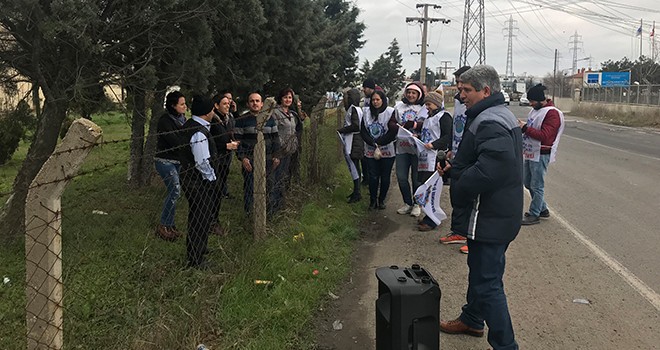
point(379, 177)
point(248, 188)
point(486, 301)
point(169, 171)
point(406, 167)
point(534, 180)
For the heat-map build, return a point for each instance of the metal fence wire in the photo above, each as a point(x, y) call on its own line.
point(631, 94)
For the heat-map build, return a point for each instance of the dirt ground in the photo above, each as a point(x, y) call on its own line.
point(547, 269)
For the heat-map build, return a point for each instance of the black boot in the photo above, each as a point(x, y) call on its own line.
point(372, 205)
point(381, 205)
point(355, 196)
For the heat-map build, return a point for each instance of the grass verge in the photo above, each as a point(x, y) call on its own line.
point(125, 289)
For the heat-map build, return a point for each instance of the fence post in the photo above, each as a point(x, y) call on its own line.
point(259, 191)
point(43, 236)
point(317, 113)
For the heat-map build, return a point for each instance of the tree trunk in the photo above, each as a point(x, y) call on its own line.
point(138, 120)
point(12, 220)
point(150, 147)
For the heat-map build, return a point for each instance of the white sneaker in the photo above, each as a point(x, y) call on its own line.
point(416, 210)
point(405, 209)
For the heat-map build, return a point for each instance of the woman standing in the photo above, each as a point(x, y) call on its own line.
point(168, 162)
point(287, 121)
point(354, 145)
point(378, 130)
point(222, 131)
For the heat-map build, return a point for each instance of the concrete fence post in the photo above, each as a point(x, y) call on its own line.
point(43, 236)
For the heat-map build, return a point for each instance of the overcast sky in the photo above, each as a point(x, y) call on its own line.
point(606, 29)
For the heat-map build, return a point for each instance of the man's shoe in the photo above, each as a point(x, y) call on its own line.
point(372, 205)
point(165, 233)
point(424, 227)
point(530, 220)
point(458, 327)
point(406, 209)
point(354, 198)
point(544, 214)
point(381, 205)
point(464, 249)
point(416, 210)
point(453, 238)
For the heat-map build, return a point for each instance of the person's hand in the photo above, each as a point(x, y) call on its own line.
point(232, 146)
point(520, 123)
point(442, 170)
point(276, 163)
point(428, 146)
point(246, 165)
point(233, 106)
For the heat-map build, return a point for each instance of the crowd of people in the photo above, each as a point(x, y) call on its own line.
point(482, 152)
point(194, 156)
point(485, 155)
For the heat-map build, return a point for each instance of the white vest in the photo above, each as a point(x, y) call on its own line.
point(430, 132)
point(459, 125)
point(532, 147)
point(376, 129)
point(348, 138)
point(416, 113)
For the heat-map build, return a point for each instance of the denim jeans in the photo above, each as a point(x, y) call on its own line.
point(379, 177)
point(169, 171)
point(534, 180)
point(248, 188)
point(406, 168)
point(486, 301)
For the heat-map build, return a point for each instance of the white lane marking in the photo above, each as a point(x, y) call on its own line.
point(610, 147)
point(644, 290)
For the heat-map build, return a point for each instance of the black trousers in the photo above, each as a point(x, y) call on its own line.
point(201, 203)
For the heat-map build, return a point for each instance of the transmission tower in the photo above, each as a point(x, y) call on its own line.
point(473, 42)
point(509, 53)
point(575, 41)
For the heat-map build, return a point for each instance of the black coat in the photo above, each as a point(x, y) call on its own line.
point(486, 176)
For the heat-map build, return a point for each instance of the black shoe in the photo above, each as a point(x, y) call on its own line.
point(381, 205)
point(530, 220)
point(354, 198)
point(544, 214)
point(365, 183)
point(372, 205)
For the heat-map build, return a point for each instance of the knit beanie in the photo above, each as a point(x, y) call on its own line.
point(535, 93)
point(434, 98)
point(201, 106)
point(369, 83)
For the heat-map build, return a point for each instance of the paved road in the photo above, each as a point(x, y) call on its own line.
point(606, 185)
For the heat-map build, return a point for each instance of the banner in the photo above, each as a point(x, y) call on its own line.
point(428, 197)
point(347, 156)
point(405, 134)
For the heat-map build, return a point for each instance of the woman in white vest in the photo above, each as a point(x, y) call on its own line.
point(353, 144)
point(410, 113)
point(378, 130)
point(436, 134)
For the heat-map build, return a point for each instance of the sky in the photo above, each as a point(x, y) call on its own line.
point(606, 30)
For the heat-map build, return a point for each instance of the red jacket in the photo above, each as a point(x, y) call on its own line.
point(549, 129)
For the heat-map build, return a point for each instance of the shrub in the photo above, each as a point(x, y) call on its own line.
point(13, 128)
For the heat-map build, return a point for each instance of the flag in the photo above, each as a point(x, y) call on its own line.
point(639, 31)
point(652, 31)
point(428, 197)
point(347, 156)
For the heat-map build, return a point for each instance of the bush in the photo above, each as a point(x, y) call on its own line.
point(13, 128)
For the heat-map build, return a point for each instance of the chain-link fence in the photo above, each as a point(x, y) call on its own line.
point(632, 94)
point(103, 269)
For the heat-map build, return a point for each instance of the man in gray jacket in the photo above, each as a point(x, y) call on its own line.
point(487, 198)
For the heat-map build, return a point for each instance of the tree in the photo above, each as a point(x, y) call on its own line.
point(430, 77)
point(644, 70)
point(387, 71)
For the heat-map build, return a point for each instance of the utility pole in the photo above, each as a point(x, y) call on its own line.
point(474, 34)
point(554, 77)
point(575, 41)
point(446, 67)
point(425, 21)
point(641, 35)
point(509, 53)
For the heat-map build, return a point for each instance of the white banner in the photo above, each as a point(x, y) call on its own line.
point(347, 155)
point(428, 197)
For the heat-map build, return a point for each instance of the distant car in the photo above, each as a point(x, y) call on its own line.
point(523, 100)
point(507, 99)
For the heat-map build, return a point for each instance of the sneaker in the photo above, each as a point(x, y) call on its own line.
point(464, 249)
point(416, 210)
point(544, 214)
point(453, 238)
point(458, 327)
point(530, 220)
point(406, 209)
point(166, 233)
